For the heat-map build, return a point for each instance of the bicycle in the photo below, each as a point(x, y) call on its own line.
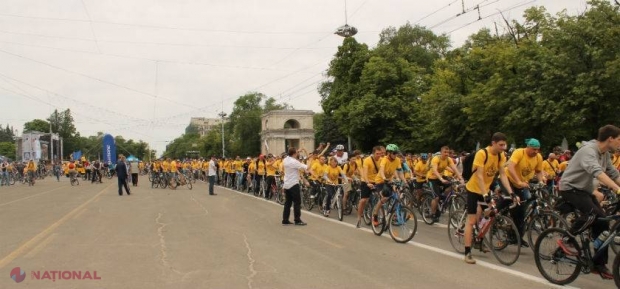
point(397, 218)
point(539, 216)
point(336, 202)
point(277, 191)
point(306, 196)
point(578, 261)
point(354, 197)
point(74, 179)
point(495, 230)
point(454, 201)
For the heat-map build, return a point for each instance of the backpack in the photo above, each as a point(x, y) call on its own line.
point(468, 163)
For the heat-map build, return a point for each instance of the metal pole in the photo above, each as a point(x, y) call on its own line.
point(223, 115)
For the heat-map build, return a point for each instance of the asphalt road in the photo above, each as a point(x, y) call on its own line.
point(183, 238)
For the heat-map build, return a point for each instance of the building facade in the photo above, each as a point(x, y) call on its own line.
point(204, 125)
point(282, 129)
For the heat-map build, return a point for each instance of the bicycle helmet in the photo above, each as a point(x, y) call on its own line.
point(424, 156)
point(339, 147)
point(392, 148)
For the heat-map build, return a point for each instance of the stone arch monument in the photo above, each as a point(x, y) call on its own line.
point(282, 129)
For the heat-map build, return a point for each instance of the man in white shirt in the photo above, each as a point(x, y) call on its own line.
point(212, 173)
point(291, 187)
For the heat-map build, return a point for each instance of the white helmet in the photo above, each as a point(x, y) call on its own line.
point(339, 147)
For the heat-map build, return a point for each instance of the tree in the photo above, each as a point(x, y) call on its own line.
point(37, 125)
point(6, 135)
point(7, 149)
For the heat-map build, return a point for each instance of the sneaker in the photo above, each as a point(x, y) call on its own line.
point(359, 224)
point(481, 246)
point(300, 223)
point(375, 221)
point(568, 248)
point(602, 271)
point(469, 259)
point(287, 222)
point(524, 244)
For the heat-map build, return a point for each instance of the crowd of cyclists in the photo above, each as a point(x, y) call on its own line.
point(495, 196)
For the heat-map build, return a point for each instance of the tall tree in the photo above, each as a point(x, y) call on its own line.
point(37, 125)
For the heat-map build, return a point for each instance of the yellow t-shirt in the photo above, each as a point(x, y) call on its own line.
point(389, 169)
point(371, 170)
point(350, 170)
point(252, 167)
point(549, 167)
point(156, 166)
point(173, 167)
point(615, 161)
point(441, 166)
point(271, 168)
point(186, 166)
point(317, 170)
point(333, 173)
point(525, 166)
point(165, 166)
point(421, 168)
point(260, 169)
point(31, 167)
point(562, 166)
point(491, 168)
point(239, 166)
point(205, 166)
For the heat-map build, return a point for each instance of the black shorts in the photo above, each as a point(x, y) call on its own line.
point(438, 187)
point(366, 191)
point(472, 202)
point(418, 185)
point(384, 189)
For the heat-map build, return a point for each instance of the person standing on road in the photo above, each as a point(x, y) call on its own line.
point(212, 173)
point(592, 160)
point(291, 187)
point(134, 168)
point(122, 173)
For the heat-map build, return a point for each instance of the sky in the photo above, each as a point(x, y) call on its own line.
point(143, 68)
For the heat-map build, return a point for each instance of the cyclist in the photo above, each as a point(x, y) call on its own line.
point(341, 156)
point(5, 173)
point(591, 161)
point(421, 171)
point(550, 170)
point(351, 170)
point(72, 169)
point(487, 163)
point(437, 182)
point(370, 169)
point(333, 174)
point(523, 164)
point(388, 169)
point(270, 180)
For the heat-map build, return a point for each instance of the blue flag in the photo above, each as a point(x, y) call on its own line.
point(109, 149)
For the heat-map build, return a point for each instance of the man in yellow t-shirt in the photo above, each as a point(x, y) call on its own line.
point(551, 169)
point(390, 168)
point(421, 171)
point(487, 163)
point(270, 178)
point(436, 180)
point(524, 163)
point(370, 169)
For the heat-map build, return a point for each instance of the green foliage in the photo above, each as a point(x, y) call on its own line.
point(547, 77)
point(6, 134)
point(37, 125)
point(7, 149)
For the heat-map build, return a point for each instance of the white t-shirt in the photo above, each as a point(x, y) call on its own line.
point(291, 171)
point(212, 168)
point(343, 159)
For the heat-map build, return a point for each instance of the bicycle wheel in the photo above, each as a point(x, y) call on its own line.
point(72, 181)
point(189, 184)
point(306, 200)
point(173, 183)
point(552, 262)
point(367, 213)
point(543, 221)
point(456, 230)
point(407, 199)
point(457, 204)
point(380, 227)
point(403, 225)
point(281, 199)
point(425, 209)
point(505, 240)
point(615, 244)
point(339, 205)
point(615, 269)
point(154, 183)
point(12, 180)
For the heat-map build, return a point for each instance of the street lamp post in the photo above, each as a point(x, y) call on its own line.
point(223, 115)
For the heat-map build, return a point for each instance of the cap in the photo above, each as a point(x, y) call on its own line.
point(532, 142)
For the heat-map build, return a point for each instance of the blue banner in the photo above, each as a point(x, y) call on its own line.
point(77, 155)
point(109, 149)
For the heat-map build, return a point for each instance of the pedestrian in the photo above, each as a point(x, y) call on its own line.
point(122, 174)
point(133, 167)
point(291, 187)
point(212, 173)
